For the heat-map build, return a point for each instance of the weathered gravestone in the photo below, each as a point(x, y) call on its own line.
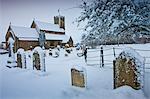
point(78, 77)
point(21, 58)
point(128, 69)
point(38, 59)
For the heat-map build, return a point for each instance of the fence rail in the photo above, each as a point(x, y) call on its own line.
point(100, 59)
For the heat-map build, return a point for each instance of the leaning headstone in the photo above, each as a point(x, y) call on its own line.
point(128, 69)
point(21, 58)
point(78, 77)
point(39, 59)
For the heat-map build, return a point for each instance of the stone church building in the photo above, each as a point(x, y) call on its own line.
point(42, 34)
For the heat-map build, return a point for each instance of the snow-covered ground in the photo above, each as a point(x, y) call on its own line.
point(55, 83)
point(2, 51)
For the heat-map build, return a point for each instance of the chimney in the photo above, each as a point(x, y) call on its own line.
point(60, 20)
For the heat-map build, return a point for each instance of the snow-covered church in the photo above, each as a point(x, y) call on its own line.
point(42, 34)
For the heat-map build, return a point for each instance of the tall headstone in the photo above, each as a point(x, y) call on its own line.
point(39, 59)
point(21, 58)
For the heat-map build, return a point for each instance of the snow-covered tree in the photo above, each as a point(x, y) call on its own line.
point(114, 20)
point(88, 40)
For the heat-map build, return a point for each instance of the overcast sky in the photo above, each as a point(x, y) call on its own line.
point(22, 13)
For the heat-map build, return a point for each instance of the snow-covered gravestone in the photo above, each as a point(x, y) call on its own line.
point(78, 77)
point(128, 69)
point(11, 59)
point(21, 58)
point(39, 59)
point(50, 52)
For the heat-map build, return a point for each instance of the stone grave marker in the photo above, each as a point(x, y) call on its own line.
point(21, 58)
point(39, 59)
point(78, 78)
point(128, 69)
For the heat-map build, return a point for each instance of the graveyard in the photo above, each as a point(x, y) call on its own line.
point(74, 49)
point(39, 74)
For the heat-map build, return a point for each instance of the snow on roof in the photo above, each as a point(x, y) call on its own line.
point(56, 37)
point(49, 26)
point(25, 33)
point(28, 39)
point(66, 39)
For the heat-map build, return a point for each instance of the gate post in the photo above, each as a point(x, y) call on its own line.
point(102, 56)
point(114, 52)
point(114, 76)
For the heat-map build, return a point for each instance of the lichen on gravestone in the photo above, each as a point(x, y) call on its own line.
point(128, 69)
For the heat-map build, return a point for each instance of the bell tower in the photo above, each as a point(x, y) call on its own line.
point(60, 20)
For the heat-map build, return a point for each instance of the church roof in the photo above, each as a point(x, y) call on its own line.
point(24, 33)
point(63, 37)
point(48, 26)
